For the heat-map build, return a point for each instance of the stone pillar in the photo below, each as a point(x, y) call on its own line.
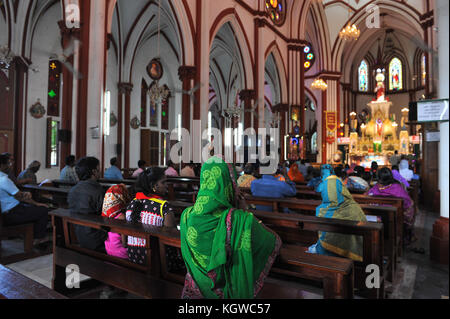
point(439, 239)
point(17, 73)
point(247, 96)
point(67, 35)
point(186, 74)
point(124, 119)
point(283, 110)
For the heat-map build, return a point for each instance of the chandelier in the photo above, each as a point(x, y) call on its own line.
point(350, 32)
point(234, 111)
point(6, 57)
point(158, 93)
point(319, 84)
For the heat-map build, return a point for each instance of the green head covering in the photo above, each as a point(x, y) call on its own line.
point(227, 252)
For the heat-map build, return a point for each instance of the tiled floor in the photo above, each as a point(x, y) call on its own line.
point(418, 277)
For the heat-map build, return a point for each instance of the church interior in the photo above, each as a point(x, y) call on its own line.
point(233, 149)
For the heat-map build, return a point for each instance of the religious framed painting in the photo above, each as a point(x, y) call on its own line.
point(295, 113)
point(155, 69)
point(37, 110)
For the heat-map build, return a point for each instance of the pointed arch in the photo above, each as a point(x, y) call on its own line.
point(231, 16)
point(281, 67)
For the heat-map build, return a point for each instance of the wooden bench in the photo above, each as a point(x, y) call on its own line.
point(332, 272)
point(373, 200)
point(153, 279)
point(25, 231)
point(177, 192)
point(296, 229)
point(308, 207)
point(16, 286)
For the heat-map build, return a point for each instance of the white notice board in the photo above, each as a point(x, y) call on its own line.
point(432, 111)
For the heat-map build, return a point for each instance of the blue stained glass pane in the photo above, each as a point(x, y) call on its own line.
point(363, 76)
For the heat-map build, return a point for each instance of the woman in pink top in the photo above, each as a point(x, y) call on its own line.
point(171, 171)
point(141, 165)
point(116, 201)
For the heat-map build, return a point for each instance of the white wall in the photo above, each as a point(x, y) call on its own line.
point(170, 65)
point(46, 38)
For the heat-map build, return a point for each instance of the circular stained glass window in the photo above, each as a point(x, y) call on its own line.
point(309, 57)
point(277, 11)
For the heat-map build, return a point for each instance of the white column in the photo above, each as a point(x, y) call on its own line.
point(443, 51)
point(197, 143)
point(97, 38)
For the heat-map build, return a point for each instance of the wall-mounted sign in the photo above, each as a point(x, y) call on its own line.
point(433, 136)
point(331, 121)
point(432, 111)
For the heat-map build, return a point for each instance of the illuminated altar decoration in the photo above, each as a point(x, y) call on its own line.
point(276, 10)
point(395, 75)
point(379, 135)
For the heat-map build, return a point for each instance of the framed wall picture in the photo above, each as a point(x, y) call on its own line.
point(155, 69)
point(295, 113)
point(37, 110)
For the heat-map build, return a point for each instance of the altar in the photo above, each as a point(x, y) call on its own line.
point(379, 135)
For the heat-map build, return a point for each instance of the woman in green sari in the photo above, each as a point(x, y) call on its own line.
point(338, 203)
point(228, 253)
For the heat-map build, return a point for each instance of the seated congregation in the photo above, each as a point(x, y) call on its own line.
point(218, 232)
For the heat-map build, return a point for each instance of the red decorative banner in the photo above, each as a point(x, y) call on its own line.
point(331, 119)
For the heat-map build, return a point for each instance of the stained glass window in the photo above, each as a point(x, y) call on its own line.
point(54, 84)
point(395, 75)
point(423, 67)
point(277, 11)
point(309, 57)
point(363, 72)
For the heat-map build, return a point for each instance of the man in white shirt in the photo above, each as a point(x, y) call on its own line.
point(18, 208)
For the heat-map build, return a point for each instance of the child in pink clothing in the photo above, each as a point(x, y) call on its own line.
point(116, 201)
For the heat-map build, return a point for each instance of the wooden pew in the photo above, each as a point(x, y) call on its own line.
point(152, 280)
point(374, 200)
point(308, 207)
point(308, 193)
point(296, 229)
point(16, 286)
point(330, 271)
point(128, 182)
point(178, 192)
point(25, 231)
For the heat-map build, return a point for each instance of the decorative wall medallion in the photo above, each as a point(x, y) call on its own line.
point(37, 110)
point(135, 123)
point(113, 119)
point(155, 69)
